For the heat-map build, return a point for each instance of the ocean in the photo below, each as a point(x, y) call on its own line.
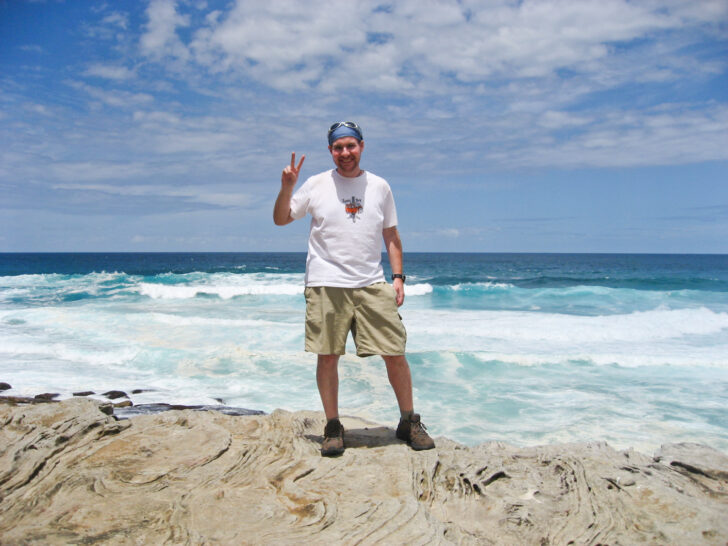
point(522, 348)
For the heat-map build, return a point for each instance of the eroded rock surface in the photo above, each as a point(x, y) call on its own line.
point(71, 474)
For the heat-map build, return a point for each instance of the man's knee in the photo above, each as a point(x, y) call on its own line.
point(328, 361)
point(395, 360)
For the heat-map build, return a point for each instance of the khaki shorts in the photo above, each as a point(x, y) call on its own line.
point(370, 313)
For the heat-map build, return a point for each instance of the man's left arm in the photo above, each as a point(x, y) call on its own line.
point(393, 244)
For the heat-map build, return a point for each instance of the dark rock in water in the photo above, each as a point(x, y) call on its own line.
point(4, 386)
point(220, 400)
point(113, 395)
point(140, 391)
point(84, 393)
point(46, 396)
point(150, 409)
point(14, 400)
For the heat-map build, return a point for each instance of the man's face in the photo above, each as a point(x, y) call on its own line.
point(346, 153)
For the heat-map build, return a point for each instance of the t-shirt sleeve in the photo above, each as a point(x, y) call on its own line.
point(300, 201)
point(389, 209)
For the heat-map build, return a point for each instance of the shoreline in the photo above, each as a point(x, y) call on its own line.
point(120, 404)
point(70, 472)
point(123, 411)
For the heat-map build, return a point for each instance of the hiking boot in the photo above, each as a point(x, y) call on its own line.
point(413, 432)
point(333, 443)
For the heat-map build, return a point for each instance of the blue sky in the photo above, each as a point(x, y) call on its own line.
point(502, 126)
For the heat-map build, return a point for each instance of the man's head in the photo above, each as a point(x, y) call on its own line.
point(346, 144)
point(344, 128)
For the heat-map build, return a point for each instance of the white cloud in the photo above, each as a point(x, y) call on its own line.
point(160, 39)
point(449, 232)
point(286, 45)
point(36, 108)
point(110, 72)
point(197, 194)
point(118, 19)
point(667, 135)
point(34, 48)
point(94, 171)
point(155, 117)
point(557, 120)
point(291, 46)
point(166, 133)
point(115, 98)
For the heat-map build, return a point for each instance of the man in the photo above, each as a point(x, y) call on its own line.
point(345, 288)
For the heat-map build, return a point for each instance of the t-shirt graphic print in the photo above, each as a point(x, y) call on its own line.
point(353, 207)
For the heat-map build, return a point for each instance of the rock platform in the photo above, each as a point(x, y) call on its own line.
point(71, 473)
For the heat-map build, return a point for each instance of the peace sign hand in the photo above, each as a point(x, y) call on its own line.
point(289, 177)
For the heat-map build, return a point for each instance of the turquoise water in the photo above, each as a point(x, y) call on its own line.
point(523, 348)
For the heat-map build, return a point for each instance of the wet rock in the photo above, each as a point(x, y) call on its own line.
point(84, 393)
point(151, 409)
point(48, 396)
point(5, 386)
point(113, 395)
point(19, 400)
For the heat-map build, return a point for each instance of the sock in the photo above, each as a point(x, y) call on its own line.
point(406, 414)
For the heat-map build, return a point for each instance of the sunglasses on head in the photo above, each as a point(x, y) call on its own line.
point(349, 124)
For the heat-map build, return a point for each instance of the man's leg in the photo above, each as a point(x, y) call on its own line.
point(400, 378)
point(327, 379)
point(410, 428)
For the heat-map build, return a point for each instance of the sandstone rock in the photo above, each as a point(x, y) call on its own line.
point(697, 459)
point(71, 474)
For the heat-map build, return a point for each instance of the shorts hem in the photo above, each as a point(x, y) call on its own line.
point(316, 352)
point(367, 355)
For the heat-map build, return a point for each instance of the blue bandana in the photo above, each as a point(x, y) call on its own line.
point(343, 131)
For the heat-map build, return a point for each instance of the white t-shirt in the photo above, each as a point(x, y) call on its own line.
point(347, 219)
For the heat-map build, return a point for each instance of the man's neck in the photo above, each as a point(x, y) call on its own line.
point(358, 174)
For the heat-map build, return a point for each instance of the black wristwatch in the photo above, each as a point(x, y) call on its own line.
point(399, 276)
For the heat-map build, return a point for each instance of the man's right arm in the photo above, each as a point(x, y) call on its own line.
point(282, 208)
point(289, 177)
